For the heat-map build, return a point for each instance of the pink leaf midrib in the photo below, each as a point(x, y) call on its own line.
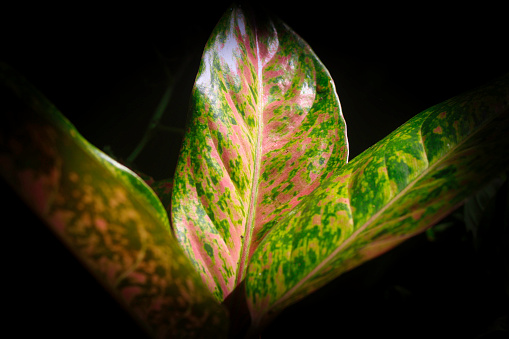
point(249, 225)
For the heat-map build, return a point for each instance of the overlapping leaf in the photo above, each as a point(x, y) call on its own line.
point(266, 129)
point(394, 190)
point(104, 213)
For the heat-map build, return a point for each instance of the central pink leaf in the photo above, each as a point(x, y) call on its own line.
point(266, 129)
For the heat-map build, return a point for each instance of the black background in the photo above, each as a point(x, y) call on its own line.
point(99, 65)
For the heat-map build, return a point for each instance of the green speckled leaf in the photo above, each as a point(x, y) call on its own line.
point(105, 214)
point(394, 190)
point(266, 130)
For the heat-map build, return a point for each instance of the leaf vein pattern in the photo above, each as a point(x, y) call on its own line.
point(248, 232)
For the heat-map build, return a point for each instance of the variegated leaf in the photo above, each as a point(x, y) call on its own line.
point(266, 130)
point(394, 190)
point(104, 214)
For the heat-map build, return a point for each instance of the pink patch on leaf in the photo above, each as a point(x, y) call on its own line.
point(101, 224)
point(416, 215)
point(129, 293)
point(39, 189)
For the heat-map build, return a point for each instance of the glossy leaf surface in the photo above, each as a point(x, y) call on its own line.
point(266, 129)
point(104, 213)
point(394, 190)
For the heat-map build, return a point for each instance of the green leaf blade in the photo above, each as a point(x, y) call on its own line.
point(396, 189)
point(105, 214)
point(266, 130)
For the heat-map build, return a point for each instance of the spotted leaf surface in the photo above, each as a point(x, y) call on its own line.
point(105, 215)
point(266, 130)
point(394, 190)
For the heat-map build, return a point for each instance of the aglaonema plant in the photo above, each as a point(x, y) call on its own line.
point(265, 207)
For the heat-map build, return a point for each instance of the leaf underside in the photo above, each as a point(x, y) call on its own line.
point(396, 189)
point(106, 215)
point(266, 130)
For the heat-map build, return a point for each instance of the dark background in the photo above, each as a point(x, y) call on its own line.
point(106, 68)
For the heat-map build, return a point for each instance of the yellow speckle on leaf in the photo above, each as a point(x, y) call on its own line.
point(73, 177)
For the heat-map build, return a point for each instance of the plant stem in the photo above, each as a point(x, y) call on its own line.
point(171, 129)
point(158, 113)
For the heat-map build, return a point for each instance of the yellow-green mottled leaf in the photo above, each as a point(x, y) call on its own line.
point(266, 130)
point(105, 214)
point(394, 190)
